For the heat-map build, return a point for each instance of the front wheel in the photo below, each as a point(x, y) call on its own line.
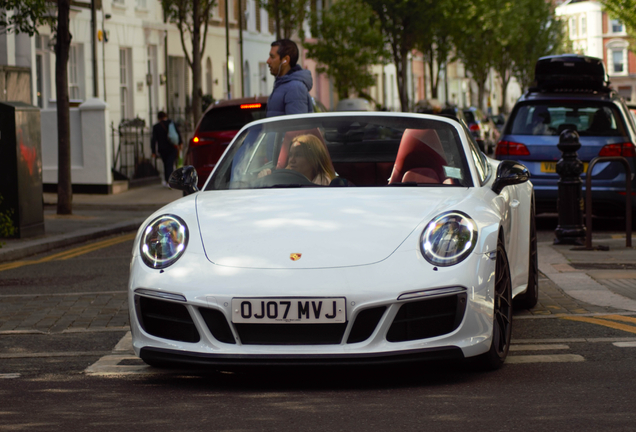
point(502, 319)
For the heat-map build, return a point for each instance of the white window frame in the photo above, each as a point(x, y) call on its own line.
point(617, 46)
point(583, 25)
point(611, 26)
point(141, 5)
point(573, 27)
point(215, 13)
point(75, 72)
point(125, 83)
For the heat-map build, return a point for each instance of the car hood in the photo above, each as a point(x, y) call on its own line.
point(314, 228)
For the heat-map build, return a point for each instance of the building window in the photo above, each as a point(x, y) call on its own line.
point(42, 70)
point(583, 26)
point(617, 57)
point(141, 4)
point(573, 30)
point(215, 10)
point(74, 73)
point(625, 93)
point(618, 61)
point(617, 26)
point(262, 78)
point(125, 88)
point(119, 2)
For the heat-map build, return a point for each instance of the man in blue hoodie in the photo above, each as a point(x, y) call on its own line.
point(292, 84)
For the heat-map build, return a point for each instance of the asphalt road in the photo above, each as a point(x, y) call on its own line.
point(560, 375)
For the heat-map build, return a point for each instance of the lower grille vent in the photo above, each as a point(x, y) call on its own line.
point(166, 319)
point(218, 325)
point(365, 324)
point(427, 318)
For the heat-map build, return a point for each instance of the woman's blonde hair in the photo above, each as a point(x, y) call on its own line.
point(316, 153)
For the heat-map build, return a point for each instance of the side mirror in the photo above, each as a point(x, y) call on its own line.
point(510, 173)
point(185, 179)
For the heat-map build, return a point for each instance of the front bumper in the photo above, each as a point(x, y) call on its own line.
point(450, 316)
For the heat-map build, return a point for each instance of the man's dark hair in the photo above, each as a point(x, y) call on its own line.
point(162, 115)
point(289, 48)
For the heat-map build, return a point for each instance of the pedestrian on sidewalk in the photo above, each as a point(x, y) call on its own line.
point(292, 84)
point(167, 141)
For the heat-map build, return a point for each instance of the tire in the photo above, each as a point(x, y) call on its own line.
point(502, 315)
point(530, 298)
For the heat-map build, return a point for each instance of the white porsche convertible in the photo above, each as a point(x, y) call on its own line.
point(348, 238)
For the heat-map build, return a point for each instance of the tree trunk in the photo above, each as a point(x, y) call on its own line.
point(197, 91)
point(64, 185)
point(401, 63)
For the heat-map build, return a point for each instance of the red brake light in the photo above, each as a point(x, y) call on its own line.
point(251, 106)
point(196, 141)
point(474, 127)
point(624, 149)
point(509, 148)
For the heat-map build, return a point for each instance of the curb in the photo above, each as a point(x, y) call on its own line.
point(578, 284)
point(36, 246)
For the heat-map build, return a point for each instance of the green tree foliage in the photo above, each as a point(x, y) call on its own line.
point(400, 21)
point(434, 40)
point(542, 35)
point(349, 42)
point(288, 15)
point(191, 17)
point(24, 16)
point(476, 43)
point(625, 11)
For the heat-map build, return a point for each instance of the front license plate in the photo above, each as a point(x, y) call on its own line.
point(550, 167)
point(289, 310)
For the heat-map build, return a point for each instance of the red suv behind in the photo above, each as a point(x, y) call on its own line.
point(216, 129)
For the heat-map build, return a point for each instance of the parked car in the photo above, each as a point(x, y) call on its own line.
point(499, 120)
point(354, 104)
point(482, 128)
point(218, 126)
point(572, 93)
point(413, 251)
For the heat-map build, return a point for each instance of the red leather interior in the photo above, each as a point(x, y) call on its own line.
point(419, 149)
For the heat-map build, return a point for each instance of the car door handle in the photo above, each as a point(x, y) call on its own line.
point(514, 203)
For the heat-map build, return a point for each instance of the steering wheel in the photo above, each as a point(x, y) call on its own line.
point(283, 177)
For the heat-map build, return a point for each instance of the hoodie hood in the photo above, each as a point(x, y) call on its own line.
point(296, 74)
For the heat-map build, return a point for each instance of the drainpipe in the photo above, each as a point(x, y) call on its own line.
point(94, 48)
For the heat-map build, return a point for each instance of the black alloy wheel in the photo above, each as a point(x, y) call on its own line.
point(530, 298)
point(502, 311)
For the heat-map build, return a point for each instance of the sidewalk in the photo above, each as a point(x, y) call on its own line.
point(94, 216)
point(571, 282)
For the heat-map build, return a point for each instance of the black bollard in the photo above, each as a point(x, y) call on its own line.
point(570, 203)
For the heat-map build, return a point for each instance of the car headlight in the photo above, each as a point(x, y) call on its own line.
point(163, 241)
point(449, 239)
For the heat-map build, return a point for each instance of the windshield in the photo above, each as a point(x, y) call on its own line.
point(344, 150)
point(588, 119)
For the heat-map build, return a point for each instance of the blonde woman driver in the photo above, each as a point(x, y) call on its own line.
point(308, 156)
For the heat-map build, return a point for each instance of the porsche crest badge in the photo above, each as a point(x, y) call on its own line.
point(295, 256)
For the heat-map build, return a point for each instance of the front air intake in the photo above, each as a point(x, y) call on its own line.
point(427, 318)
point(165, 319)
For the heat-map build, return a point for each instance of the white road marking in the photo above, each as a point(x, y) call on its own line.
point(9, 375)
point(52, 354)
point(535, 347)
point(555, 358)
point(631, 344)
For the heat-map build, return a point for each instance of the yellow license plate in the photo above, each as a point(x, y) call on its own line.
point(550, 167)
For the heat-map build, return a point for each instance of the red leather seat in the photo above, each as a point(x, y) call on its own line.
point(420, 158)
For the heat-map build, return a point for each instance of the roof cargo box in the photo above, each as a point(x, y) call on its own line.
point(570, 71)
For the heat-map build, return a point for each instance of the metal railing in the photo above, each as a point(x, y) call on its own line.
point(588, 199)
